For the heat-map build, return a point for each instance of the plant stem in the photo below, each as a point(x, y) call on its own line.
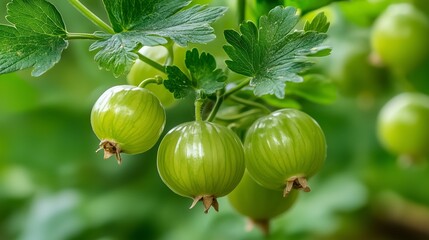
point(198, 105)
point(91, 16)
point(157, 80)
point(218, 103)
point(241, 16)
point(72, 36)
point(236, 88)
point(221, 97)
point(151, 62)
point(250, 103)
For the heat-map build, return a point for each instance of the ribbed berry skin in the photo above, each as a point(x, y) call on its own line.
point(201, 159)
point(129, 116)
point(284, 145)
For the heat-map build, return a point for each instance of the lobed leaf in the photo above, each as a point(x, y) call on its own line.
point(204, 74)
point(35, 38)
point(274, 52)
point(204, 77)
point(140, 23)
point(178, 83)
point(117, 53)
point(125, 15)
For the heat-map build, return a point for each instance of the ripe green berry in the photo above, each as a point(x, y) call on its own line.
point(201, 160)
point(127, 119)
point(403, 125)
point(400, 37)
point(284, 149)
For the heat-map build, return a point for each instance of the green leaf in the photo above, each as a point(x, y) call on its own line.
point(140, 23)
point(275, 52)
point(178, 83)
point(315, 87)
point(319, 24)
point(118, 51)
point(204, 77)
point(203, 71)
point(35, 38)
point(125, 14)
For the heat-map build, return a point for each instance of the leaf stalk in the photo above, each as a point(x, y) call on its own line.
point(74, 36)
point(151, 62)
point(237, 88)
point(91, 16)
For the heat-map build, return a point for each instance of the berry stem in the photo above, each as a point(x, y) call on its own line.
point(218, 103)
point(198, 106)
point(91, 16)
point(222, 96)
point(155, 80)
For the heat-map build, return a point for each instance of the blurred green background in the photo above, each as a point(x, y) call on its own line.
point(54, 186)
